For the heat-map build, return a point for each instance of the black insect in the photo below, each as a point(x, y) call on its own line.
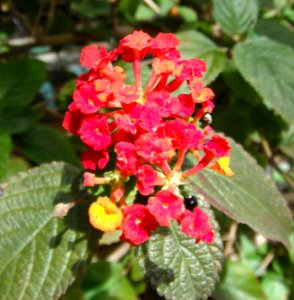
point(190, 202)
point(206, 120)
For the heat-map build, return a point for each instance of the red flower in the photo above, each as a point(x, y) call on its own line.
point(164, 44)
point(127, 159)
point(217, 145)
point(92, 56)
point(183, 135)
point(85, 99)
point(196, 224)
point(153, 149)
point(72, 119)
point(134, 46)
point(94, 132)
point(137, 224)
point(92, 159)
point(165, 206)
point(192, 68)
point(147, 178)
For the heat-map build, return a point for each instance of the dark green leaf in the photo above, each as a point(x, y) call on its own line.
point(129, 7)
point(238, 282)
point(195, 44)
point(40, 254)
point(19, 124)
point(276, 31)
point(20, 82)
point(238, 85)
point(249, 197)
point(235, 16)
point(268, 66)
point(6, 147)
point(44, 144)
point(90, 8)
point(178, 267)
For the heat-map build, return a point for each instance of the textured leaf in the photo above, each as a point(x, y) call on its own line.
point(20, 81)
point(178, 267)
point(40, 254)
point(6, 147)
point(195, 44)
point(235, 16)
point(238, 282)
point(45, 144)
point(249, 197)
point(268, 66)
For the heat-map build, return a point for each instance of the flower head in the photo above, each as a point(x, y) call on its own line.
point(142, 134)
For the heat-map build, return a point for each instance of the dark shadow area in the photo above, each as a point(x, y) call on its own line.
point(157, 275)
point(76, 219)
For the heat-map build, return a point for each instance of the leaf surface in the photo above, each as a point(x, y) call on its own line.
point(178, 267)
point(40, 254)
point(20, 82)
point(268, 66)
point(235, 16)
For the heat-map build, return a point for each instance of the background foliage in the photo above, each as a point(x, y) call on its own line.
point(248, 47)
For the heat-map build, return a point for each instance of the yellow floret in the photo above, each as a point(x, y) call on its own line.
point(105, 215)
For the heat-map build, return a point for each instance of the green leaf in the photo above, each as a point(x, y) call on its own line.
point(249, 197)
point(239, 86)
point(275, 30)
point(107, 281)
point(20, 82)
point(40, 254)
point(45, 144)
point(195, 44)
point(90, 8)
point(188, 14)
point(13, 166)
point(274, 287)
point(5, 146)
point(178, 267)
point(268, 66)
point(18, 124)
point(235, 16)
point(238, 282)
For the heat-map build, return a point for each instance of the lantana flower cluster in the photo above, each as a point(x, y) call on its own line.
point(147, 131)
